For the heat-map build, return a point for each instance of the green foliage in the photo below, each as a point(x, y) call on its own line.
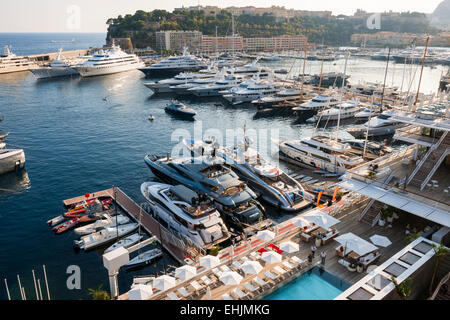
point(334, 30)
point(441, 250)
point(411, 237)
point(403, 289)
point(214, 251)
point(99, 294)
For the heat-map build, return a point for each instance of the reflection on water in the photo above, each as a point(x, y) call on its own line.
point(14, 77)
point(14, 182)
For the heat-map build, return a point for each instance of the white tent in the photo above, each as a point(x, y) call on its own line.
point(289, 247)
point(140, 292)
point(185, 272)
point(265, 235)
point(251, 267)
point(164, 282)
point(354, 243)
point(271, 257)
point(302, 222)
point(209, 261)
point(381, 241)
point(230, 278)
point(321, 219)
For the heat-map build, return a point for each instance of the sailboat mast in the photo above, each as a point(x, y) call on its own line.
point(385, 75)
point(303, 73)
point(421, 72)
point(342, 95)
point(321, 68)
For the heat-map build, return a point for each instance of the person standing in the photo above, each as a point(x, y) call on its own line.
point(313, 250)
point(310, 258)
point(323, 255)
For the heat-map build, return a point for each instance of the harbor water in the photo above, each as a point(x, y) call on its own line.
point(87, 134)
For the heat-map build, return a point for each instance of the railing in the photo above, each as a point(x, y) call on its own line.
point(438, 288)
point(369, 205)
point(435, 167)
point(430, 151)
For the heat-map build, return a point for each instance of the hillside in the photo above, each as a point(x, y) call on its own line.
point(441, 15)
point(334, 30)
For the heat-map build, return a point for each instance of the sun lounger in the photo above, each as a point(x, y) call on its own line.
point(260, 282)
point(225, 269)
point(172, 296)
point(270, 275)
point(194, 284)
point(255, 255)
point(226, 296)
point(183, 292)
point(207, 281)
point(217, 272)
point(248, 286)
point(297, 259)
point(288, 265)
point(238, 293)
point(236, 264)
point(279, 270)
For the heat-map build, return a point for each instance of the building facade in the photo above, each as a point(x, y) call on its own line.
point(177, 40)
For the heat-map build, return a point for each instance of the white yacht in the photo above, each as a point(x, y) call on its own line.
point(9, 62)
point(11, 160)
point(289, 93)
point(319, 102)
point(381, 125)
point(342, 111)
point(60, 67)
point(321, 152)
point(181, 209)
point(241, 86)
point(174, 65)
point(109, 61)
point(367, 112)
point(178, 108)
point(211, 90)
point(264, 177)
point(104, 236)
point(167, 85)
point(252, 92)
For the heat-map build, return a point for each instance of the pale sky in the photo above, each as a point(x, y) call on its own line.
point(62, 15)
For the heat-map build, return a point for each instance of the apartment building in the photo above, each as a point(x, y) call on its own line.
point(177, 40)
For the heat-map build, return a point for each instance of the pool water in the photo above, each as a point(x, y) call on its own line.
point(315, 284)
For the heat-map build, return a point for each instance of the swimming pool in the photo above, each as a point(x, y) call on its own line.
point(315, 284)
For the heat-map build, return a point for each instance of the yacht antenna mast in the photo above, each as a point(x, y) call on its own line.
point(421, 72)
point(342, 95)
point(385, 75)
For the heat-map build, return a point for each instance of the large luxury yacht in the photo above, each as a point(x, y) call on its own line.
point(60, 67)
point(9, 62)
point(311, 107)
point(264, 177)
point(174, 65)
point(181, 209)
point(209, 175)
point(109, 61)
point(381, 125)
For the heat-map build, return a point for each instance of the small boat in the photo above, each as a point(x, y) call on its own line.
point(56, 220)
point(125, 242)
point(108, 222)
point(151, 117)
point(75, 213)
point(103, 236)
point(144, 258)
point(65, 226)
point(179, 108)
point(3, 136)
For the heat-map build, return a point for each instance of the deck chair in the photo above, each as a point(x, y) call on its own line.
point(184, 292)
point(172, 296)
point(271, 276)
point(226, 296)
point(238, 293)
point(260, 282)
point(217, 272)
point(207, 281)
point(251, 288)
point(225, 268)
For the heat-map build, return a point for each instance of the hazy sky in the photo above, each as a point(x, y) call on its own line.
point(91, 15)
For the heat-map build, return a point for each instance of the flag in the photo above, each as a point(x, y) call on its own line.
point(335, 193)
point(318, 198)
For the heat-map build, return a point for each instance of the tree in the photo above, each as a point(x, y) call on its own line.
point(439, 252)
point(403, 289)
point(99, 294)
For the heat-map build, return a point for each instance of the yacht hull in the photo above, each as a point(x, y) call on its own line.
point(12, 160)
point(87, 71)
point(156, 73)
point(49, 72)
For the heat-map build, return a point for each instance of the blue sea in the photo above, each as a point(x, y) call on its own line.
point(76, 142)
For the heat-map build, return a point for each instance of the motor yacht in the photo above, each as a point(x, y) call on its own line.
point(181, 209)
point(104, 236)
point(11, 160)
point(60, 67)
point(287, 94)
point(381, 125)
point(264, 177)
point(109, 61)
point(311, 107)
point(342, 111)
point(209, 175)
point(174, 65)
point(254, 91)
point(180, 109)
point(9, 62)
point(320, 152)
point(213, 90)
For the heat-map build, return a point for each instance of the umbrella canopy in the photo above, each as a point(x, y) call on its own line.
point(355, 244)
point(164, 282)
point(230, 278)
point(265, 235)
point(209, 261)
point(289, 247)
point(140, 292)
point(251, 267)
point(271, 257)
point(185, 272)
point(381, 241)
point(321, 219)
point(302, 222)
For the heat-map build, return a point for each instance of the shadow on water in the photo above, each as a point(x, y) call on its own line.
point(14, 182)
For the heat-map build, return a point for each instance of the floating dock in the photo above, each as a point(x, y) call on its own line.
point(177, 248)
